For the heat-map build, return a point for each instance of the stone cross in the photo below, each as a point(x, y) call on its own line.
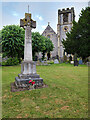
point(27, 23)
point(28, 67)
point(48, 23)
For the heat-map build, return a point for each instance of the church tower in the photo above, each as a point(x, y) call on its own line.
point(65, 19)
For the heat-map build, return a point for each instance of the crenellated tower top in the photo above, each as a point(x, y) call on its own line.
point(67, 14)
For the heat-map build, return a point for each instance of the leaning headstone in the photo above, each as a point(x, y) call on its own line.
point(56, 61)
point(28, 66)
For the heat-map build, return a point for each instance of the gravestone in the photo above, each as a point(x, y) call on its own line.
point(88, 64)
point(80, 62)
point(56, 61)
point(72, 62)
point(28, 66)
point(36, 58)
point(44, 63)
point(61, 60)
point(75, 60)
point(70, 58)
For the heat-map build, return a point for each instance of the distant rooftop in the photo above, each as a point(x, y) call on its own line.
point(49, 28)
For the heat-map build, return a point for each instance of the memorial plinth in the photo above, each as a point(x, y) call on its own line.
point(28, 67)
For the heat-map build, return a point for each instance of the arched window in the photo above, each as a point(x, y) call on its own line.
point(65, 17)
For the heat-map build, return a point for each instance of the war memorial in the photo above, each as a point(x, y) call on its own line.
point(28, 66)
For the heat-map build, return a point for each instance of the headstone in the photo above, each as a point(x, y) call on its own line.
point(40, 59)
point(0, 59)
point(56, 61)
point(61, 60)
point(38, 63)
point(44, 63)
point(88, 64)
point(72, 62)
point(36, 58)
point(70, 58)
point(57, 57)
point(75, 62)
point(28, 67)
point(80, 62)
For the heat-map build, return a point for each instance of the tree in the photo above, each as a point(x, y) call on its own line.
point(78, 39)
point(13, 41)
point(38, 43)
point(41, 44)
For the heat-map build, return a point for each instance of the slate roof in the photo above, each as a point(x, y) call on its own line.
point(48, 28)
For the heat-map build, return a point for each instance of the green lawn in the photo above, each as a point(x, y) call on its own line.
point(65, 97)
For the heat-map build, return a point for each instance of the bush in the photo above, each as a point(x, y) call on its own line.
point(10, 62)
point(65, 58)
point(51, 62)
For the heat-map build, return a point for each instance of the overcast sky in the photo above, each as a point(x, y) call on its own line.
point(42, 12)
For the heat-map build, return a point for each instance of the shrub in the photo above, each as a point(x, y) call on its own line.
point(51, 62)
point(10, 62)
point(65, 58)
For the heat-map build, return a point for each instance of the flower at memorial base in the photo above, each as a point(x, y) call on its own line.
point(30, 81)
point(33, 82)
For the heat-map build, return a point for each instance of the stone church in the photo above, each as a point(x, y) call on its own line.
point(65, 19)
point(50, 33)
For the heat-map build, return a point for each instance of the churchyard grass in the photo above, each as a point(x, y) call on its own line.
point(65, 97)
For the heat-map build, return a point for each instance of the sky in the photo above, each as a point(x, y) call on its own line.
point(42, 12)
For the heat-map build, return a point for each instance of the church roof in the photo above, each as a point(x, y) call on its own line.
point(49, 29)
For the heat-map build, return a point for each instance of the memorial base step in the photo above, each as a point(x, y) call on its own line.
point(23, 80)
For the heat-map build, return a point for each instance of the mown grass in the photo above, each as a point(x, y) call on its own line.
point(65, 97)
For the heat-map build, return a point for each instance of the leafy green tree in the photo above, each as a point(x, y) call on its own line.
point(13, 41)
point(78, 39)
point(41, 44)
point(38, 43)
